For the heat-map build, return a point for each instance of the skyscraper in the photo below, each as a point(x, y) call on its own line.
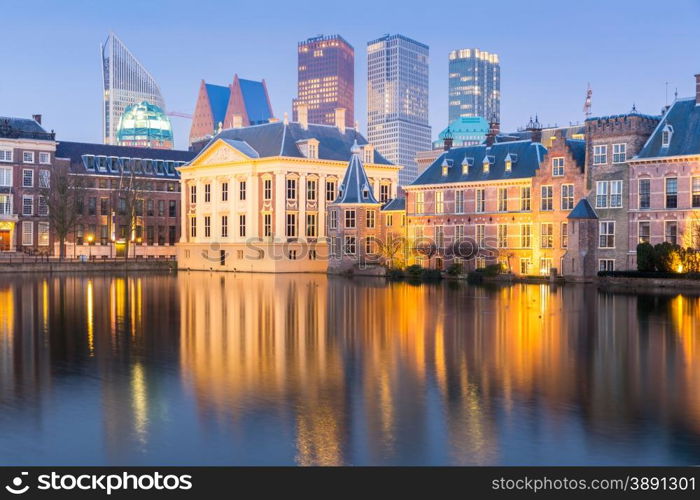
point(326, 80)
point(397, 101)
point(126, 82)
point(474, 84)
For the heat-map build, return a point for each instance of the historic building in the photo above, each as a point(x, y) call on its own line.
point(664, 179)
point(326, 80)
point(27, 155)
point(255, 199)
point(240, 104)
point(397, 101)
point(109, 176)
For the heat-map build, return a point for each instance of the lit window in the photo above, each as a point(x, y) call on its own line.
point(525, 199)
point(439, 202)
point(525, 235)
point(480, 200)
point(644, 231)
point(502, 199)
point(547, 235)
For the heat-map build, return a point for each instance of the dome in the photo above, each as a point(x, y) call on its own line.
point(145, 125)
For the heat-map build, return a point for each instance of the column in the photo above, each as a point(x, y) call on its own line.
point(279, 204)
point(301, 196)
point(321, 206)
point(252, 196)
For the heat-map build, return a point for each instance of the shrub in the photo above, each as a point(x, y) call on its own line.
point(431, 275)
point(394, 273)
point(645, 257)
point(414, 271)
point(455, 269)
point(666, 257)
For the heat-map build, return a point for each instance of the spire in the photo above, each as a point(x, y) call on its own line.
point(355, 187)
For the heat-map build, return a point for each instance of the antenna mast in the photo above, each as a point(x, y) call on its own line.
point(587, 103)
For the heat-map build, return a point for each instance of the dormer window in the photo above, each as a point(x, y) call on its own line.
point(368, 153)
point(466, 163)
point(309, 148)
point(486, 164)
point(509, 163)
point(365, 192)
point(445, 167)
point(666, 134)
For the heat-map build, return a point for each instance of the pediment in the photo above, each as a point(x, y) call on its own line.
point(219, 153)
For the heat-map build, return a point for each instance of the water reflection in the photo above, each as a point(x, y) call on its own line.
point(275, 369)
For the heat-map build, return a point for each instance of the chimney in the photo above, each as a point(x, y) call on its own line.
point(340, 119)
point(237, 121)
point(448, 140)
point(37, 118)
point(494, 129)
point(303, 115)
point(697, 89)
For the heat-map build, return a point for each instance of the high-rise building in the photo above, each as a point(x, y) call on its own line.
point(241, 104)
point(326, 80)
point(126, 82)
point(397, 101)
point(474, 84)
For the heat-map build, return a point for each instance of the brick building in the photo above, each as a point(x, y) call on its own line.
point(27, 154)
point(106, 171)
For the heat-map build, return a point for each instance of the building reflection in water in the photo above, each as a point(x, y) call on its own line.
point(313, 370)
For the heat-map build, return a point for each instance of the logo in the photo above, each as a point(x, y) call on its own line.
point(16, 487)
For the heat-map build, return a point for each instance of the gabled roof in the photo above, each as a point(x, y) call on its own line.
point(684, 117)
point(218, 100)
point(23, 128)
point(255, 99)
point(280, 139)
point(529, 156)
point(578, 151)
point(395, 204)
point(355, 187)
point(582, 210)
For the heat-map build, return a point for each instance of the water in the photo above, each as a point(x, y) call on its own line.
point(300, 369)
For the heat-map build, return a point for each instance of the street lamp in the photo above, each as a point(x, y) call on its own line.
point(90, 239)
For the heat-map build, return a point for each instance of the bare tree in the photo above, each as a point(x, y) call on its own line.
point(63, 194)
point(130, 205)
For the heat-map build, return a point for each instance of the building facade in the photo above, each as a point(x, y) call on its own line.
point(240, 104)
point(464, 131)
point(27, 155)
point(255, 199)
point(397, 101)
point(474, 84)
point(108, 173)
point(326, 80)
point(125, 82)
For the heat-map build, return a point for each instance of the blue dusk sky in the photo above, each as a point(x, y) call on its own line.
point(549, 51)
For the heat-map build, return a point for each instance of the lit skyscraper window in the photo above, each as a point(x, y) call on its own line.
point(474, 84)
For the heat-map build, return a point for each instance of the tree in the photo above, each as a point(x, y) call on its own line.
point(129, 195)
point(63, 194)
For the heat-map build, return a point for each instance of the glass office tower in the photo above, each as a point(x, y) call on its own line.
point(474, 84)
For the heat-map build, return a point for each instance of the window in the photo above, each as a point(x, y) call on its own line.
point(384, 193)
point(43, 210)
point(557, 167)
point(619, 153)
point(45, 158)
point(567, 197)
point(28, 157)
point(525, 235)
point(333, 219)
point(349, 245)
point(28, 177)
point(480, 262)
point(547, 238)
point(104, 206)
point(349, 219)
point(389, 220)
point(311, 190)
point(241, 225)
point(439, 236)
point(671, 231)
point(480, 230)
point(224, 226)
point(695, 192)
point(615, 194)
point(207, 193)
point(502, 236)
point(439, 202)
point(370, 219)
point(547, 197)
point(292, 255)
point(224, 191)
point(27, 233)
point(369, 245)
point(606, 264)
point(149, 208)
point(600, 155)
point(525, 198)
point(193, 227)
point(6, 176)
point(44, 179)
point(459, 233)
point(671, 192)
point(644, 193)
point(27, 205)
point(644, 231)
point(311, 225)
point(607, 234)
point(207, 226)
point(666, 134)
point(564, 234)
point(193, 194)
point(480, 200)
point(241, 190)
point(330, 191)
point(502, 199)
point(5, 204)
point(291, 225)
point(420, 203)
point(267, 189)
point(545, 265)
point(161, 208)
point(43, 234)
point(524, 265)
point(459, 202)
point(291, 189)
point(6, 155)
point(601, 194)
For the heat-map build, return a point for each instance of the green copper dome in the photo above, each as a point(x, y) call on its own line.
point(146, 125)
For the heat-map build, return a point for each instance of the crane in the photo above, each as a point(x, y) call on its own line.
point(179, 114)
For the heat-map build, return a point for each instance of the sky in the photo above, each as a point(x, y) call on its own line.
point(549, 52)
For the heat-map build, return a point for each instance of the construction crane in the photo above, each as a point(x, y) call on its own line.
point(587, 103)
point(179, 114)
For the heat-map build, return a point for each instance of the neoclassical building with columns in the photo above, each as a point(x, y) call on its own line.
point(254, 199)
